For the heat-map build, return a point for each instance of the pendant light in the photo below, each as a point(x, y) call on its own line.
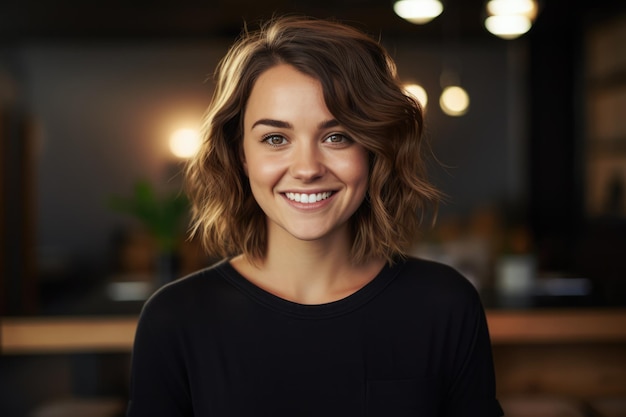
point(509, 19)
point(418, 12)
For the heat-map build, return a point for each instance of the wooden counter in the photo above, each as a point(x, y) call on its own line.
point(43, 335)
point(40, 335)
point(571, 354)
point(575, 353)
point(557, 326)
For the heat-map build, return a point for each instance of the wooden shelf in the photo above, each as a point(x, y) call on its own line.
point(612, 146)
point(49, 335)
point(557, 326)
point(608, 82)
point(36, 335)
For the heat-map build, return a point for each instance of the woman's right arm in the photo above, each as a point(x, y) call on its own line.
point(158, 382)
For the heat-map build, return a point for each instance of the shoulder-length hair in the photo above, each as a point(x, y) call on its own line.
point(361, 90)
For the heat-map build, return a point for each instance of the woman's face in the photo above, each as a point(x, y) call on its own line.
point(306, 173)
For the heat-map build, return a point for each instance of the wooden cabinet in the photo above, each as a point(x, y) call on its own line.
point(605, 116)
point(575, 354)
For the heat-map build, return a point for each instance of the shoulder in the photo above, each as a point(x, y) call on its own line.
point(184, 297)
point(435, 283)
point(432, 274)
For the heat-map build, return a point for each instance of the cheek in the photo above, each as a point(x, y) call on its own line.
point(357, 169)
point(262, 172)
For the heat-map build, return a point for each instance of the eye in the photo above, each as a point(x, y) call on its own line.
point(275, 140)
point(337, 138)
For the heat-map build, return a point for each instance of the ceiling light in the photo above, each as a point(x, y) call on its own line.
point(418, 11)
point(512, 7)
point(510, 19)
point(508, 26)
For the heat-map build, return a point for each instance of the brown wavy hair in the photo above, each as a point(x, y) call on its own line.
point(361, 90)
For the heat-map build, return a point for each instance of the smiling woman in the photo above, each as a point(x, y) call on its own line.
point(292, 146)
point(310, 182)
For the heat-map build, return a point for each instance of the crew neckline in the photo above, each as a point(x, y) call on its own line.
point(310, 311)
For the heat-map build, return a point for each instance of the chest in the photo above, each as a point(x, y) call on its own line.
point(260, 363)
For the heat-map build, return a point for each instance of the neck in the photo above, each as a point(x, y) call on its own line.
point(309, 272)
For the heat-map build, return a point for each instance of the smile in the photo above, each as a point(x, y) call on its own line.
point(308, 198)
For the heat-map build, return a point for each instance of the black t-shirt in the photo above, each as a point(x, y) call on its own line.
point(412, 342)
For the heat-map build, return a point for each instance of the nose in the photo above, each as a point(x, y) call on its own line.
point(307, 162)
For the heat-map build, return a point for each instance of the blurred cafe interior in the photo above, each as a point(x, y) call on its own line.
point(100, 105)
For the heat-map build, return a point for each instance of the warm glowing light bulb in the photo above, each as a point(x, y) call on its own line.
point(512, 7)
point(510, 19)
point(454, 101)
point(508, 26)
point(184, 143)
point(418, 11)
point(418, 92)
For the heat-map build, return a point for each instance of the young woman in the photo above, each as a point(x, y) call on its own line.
point(311, 184)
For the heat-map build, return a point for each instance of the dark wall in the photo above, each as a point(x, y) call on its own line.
point(567, 237)
point(104, 111)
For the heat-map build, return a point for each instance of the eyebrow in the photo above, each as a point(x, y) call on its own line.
point(272, 123)
point(329, 123)
point(286, 125)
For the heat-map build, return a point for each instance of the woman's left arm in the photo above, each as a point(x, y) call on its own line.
point(472, 389)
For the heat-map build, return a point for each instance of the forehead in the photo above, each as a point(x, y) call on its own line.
point(282, 90)
point(285, 75)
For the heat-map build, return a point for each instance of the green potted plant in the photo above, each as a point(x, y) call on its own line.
point(162, 216)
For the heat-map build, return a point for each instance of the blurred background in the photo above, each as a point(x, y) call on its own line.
point(99, 102)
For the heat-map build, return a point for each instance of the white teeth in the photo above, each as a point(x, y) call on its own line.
point(308, 198)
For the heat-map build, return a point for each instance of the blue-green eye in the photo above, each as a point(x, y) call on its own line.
point(274, 140)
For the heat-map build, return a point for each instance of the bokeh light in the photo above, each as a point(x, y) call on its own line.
point(454, 101)
point(417, 92)
point(184, 143)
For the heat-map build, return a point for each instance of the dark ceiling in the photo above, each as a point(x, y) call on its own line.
point(72, 19)
point(99, 19)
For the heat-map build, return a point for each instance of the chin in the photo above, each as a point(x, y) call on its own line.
point(310, 234)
